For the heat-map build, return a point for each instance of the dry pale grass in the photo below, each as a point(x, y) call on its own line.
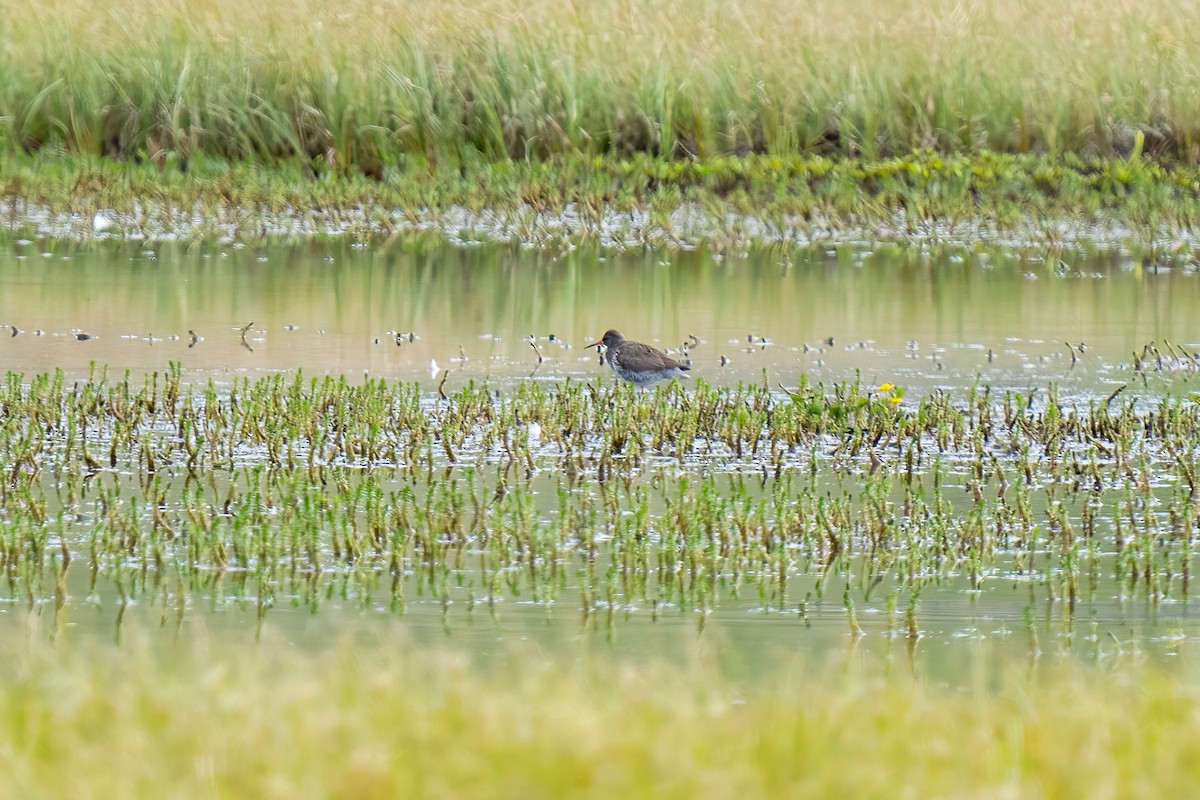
point(388, 721)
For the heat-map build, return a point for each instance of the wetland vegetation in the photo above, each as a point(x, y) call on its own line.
point(780, 560)
point(535, 122)
point(308, 488)
point(1068, 526)
point(364, 85)
point(727, 203)
point(619, 502)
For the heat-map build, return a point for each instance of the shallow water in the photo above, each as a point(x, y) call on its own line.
point(916, 315)
point(922, 318)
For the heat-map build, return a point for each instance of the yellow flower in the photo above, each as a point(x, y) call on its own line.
point(886, 387)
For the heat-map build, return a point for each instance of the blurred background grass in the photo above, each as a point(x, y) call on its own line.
point(364, 84)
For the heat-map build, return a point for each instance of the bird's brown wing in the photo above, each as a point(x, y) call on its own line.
point(642, 357)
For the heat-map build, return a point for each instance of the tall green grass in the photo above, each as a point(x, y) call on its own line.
point(364, 84)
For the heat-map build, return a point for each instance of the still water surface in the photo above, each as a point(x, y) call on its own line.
point(907, 315)
point(924, 318)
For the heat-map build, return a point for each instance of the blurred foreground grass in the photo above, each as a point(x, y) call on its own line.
point(391, 721)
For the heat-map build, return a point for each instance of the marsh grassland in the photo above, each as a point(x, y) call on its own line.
point(356, 515)
point(193, 522)
point(364, 81)
point(393, 114)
